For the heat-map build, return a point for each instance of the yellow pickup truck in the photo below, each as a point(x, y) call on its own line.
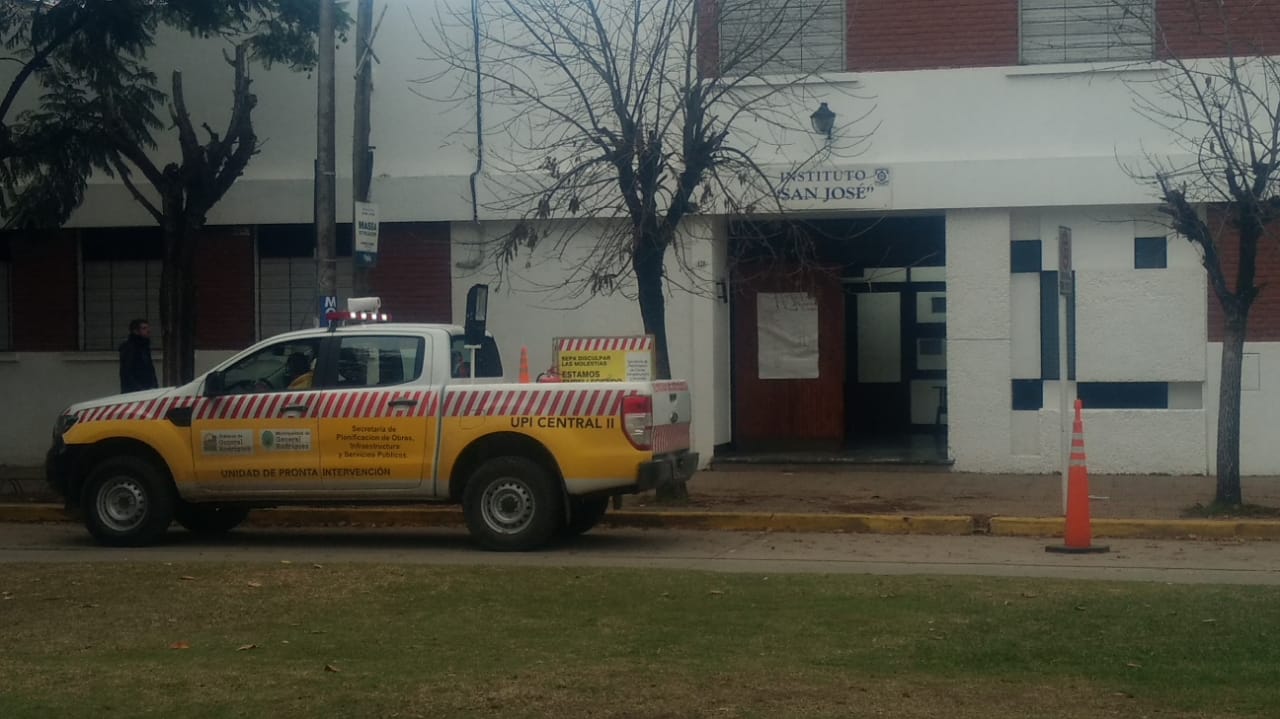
point(369, 412)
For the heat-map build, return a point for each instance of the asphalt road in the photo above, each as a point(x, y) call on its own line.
point(1256, 562)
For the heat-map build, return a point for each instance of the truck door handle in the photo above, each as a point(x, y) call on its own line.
point(402, 403)
point(300, 408)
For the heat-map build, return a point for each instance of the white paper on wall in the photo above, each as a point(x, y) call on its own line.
point(787, 332)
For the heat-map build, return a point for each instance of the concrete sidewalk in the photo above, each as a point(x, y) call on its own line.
point(921, 490)
point(895, 500)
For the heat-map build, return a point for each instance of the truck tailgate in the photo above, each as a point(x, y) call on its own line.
point(672, 413)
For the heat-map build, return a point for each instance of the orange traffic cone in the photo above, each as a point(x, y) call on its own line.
point(1078, 535)
point(524, 364)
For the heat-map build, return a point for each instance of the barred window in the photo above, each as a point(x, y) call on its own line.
point(120, 279)
point(781, 37)
point(287, 296)
point(1086, 30)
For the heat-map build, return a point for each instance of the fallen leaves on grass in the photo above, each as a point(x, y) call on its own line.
point(331, 668)
point(246, 647)
point(180, 645)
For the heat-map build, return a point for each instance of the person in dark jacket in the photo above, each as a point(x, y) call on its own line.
point(137, 372)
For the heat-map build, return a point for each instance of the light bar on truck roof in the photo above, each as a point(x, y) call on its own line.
point(358, 317)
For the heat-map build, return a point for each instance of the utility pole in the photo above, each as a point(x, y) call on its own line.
point(326, 186)
point(362, 156)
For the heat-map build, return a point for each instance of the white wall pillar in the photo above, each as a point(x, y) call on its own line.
point(978, 349)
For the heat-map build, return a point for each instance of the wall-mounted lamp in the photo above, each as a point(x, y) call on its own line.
point(823, 120)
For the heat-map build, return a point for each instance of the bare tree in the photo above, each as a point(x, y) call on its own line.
point(1220, 101)
point(187, 189)
point(627, 117)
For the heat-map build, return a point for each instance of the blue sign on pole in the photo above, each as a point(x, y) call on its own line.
point(327, 305)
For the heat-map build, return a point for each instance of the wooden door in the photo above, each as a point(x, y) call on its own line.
point(787, 396)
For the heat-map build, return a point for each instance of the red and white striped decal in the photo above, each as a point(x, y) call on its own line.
point(371, 404)
point(670, 437)
point(534, 402)
point(365, 404)
point(603, 344)
point(325, 404)
point(145, 409)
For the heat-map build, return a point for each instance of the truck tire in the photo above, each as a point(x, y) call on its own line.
point(584, 514)
point(127, 502)
point(512, 504)
point(210, 519)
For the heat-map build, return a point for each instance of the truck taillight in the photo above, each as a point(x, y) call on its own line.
point(637, 420)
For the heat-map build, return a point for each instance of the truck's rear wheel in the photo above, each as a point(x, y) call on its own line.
point(127, 502)
point(584, 514)
point(210, 519)
point(512, 504)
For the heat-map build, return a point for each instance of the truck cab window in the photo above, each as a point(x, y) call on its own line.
point(278, 367)
point(379, 361)
point(488, 360)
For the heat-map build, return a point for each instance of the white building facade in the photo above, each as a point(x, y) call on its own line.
point(934, 316)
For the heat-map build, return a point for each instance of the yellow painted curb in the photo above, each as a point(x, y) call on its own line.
point(1140, 528)
point(765, 522)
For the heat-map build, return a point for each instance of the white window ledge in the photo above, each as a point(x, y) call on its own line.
point(1087, 68)
point(99, 356)
point(847, 79)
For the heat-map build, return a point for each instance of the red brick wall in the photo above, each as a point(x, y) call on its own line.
point(922, 34)
point(413, 275)
point(224, 288)
point(1196, 28)
point(45, 291)
point(1264, 317)
point(708, 39)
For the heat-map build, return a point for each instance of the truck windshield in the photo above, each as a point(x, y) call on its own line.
point(488, 361)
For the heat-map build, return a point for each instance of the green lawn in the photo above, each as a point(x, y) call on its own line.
point(264, 641)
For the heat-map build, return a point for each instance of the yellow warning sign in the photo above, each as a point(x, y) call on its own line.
point(605, 359)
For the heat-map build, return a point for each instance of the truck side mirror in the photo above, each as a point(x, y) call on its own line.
point(214, 384)
point(477, 314)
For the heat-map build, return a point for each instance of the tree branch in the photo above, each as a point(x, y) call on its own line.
point(38, 59)
point(124, 173)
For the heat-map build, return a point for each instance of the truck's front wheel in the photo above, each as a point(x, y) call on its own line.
point(512, 504)
point(127, 502)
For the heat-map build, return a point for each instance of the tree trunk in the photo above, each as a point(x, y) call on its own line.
point(1228, 490)
point(647, 262)
point(178, 303)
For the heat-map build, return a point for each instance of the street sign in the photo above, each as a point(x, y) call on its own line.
point(366, 239)
point(327, 304)
point(1065, 285)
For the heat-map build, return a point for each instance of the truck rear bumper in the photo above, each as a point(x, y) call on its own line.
point(675, 468)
